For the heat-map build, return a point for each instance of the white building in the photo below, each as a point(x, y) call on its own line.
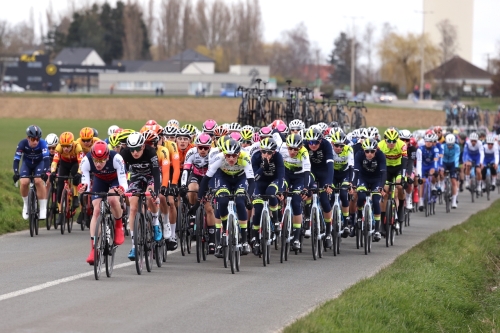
point(80, 56)
point(460, 14)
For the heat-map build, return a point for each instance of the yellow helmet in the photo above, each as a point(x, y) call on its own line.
point(86, 133)
point(66, 139)
point(391, 134)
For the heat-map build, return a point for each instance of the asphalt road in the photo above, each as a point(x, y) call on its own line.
point(46, 285)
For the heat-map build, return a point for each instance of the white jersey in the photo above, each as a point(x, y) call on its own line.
point(242, 166)
point(255, 147)
point(195, 162)
point(298, 164)
point(491, 154)
point(114, 168)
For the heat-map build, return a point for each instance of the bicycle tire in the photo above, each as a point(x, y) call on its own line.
point(188, 242)
point(367, 226)
point(225, 248)
point(285, 245)
point(199, 233)
point(387, 225)
point(148, 241)
point(314, 234)
point(158, 253)
point(472, 188)
point(328, 116)
point(181, 219)
point(231, 244)
point(264, 238)
point(139, 242)
point(487, 183)
point(62, 213)
point(335, 230)
point(393, 223)
point(99, 243)
point(111, 248)
point(359, 235)
point(48, 219)
point(31, 211)
point(426, 199)
point(69, 215)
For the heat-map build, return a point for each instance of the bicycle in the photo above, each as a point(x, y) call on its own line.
point(390, 215)
point(286, 228)
point(66, 212)
point(104, 246)
point(358, 119)
point(472, 184)
point(184, 235)
point(160, 247)
point(265, 229)
point(365, 226)
point(231, 236)
point(336, 221)
point(487, 180)
point(317, 225)
point(429, 198)
point(201, 231)
point(33, 208)
point(51, 206)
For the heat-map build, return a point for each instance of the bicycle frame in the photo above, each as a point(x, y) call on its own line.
point(336, 220)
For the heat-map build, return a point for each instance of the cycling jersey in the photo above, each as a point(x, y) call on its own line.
point(394, 156)
point(183, 153)
point(412, 158)
point(427, 159)
point(275, 170)
point(451, 155)
point(145, 167)
point(473, 153)
point(164, 162)
point(196, 163)
point(322, 160)
point(491, 154)
point(33, 157)
point(74, 156)
point(366, 170)
point(175, 163)
point(84, 148)
point(344, 160)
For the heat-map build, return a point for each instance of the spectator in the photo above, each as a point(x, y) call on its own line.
point(496, 122)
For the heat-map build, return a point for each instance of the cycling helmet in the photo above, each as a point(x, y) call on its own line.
point(282, 128)
point(236, 136)
point(265, 132)
point(151, 122)
point(246, 134)
point(275, 123)
point(434, 137)
point(364, 133)
point(296, 125)
point(294, 141)
point(135, 140)
point(473, 136)
point(490, 138)
point(52, 140)
point(111, 129)
point(391, 134)
point(255, 137)
point(247, 127)
point(437, 129)
point(450, 139)
point(209, 126)
point(268, 144)
point(173, 122)
point(34, 131)
point(405, 134)
point(369, 144)
point(183, 132)
point(462, 135)
point(334, 124)
point(230, 146)
point(149, 135)
point(323, 126)
point(157, 129)
point(86, 133)
point(220, 131)
point(313, 134)
point(203, 140)
point(336, 129)
point(256, 129)
point(123, 135)
point(170, 130)
point(66, 139)
point(428, 137)
point(413, 142)
point(96, 133)
point(338, 138)
point(191, 128)
point(373, 131)
point(234, 127)
point(355, 133)
point(100, 150)
point(114, 140)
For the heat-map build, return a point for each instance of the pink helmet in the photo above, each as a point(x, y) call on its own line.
point(209, 126)
point(203, 140)
point(282, 128)
point(255, 137)
point(236, 136)
point(265, 132)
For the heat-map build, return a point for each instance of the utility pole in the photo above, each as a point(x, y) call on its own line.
point(353, 57)
point(422, 53)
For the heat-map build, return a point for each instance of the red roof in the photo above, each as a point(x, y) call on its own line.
point(311, 72)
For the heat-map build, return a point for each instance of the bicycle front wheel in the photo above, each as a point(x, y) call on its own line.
point(367, 228)
point(48, 219)
point(387, 223)
point(314, 233)
point(264, 238)
point(99, 244)
point(139, 242)
point(63, 212)
point(335, 230)
point(199, 234)
point(32, 211)
point(231, 243)
point(109, 254)
point(148, 242)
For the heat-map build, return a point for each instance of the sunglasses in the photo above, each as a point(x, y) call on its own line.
point(231, 155)
point(136, 149)
point(314, 142)
point(293, 149)
point(102, 161)
point(66, 146)
point(52, 148)
point(247, 142)
point(473, 141)
point(391, 141)
point(336, 145)
point(171, 138)
point(370, 151)
point(86, 141)
point(203, 148)
point(34, 139)
point(266, 152)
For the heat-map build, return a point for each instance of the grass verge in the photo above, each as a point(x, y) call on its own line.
point(447, 283)
point(11, 205)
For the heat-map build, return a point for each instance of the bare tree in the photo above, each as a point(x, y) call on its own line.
point(134, 38)
point(368, 48)
point(448, 44)
point(170, 29)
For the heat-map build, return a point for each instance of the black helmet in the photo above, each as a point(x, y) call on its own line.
point(96, 134)
point(334, 124)
point(34, 131)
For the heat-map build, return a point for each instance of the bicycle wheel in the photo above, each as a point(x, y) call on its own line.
point(48, 220)
point(199, 233)
point(328, 116)
point(225, 247)
point(285, 245)
point(335, 231)
point(231, 243)
point(188, 242)
point(158, 253)
point(32, 211)
point(109, 254)
point(63, 211)
point(472, 187)
point(314, 233)
point(426, 199)
point(447, 196)
point(264, 237)
point(99, 245)
point(69, 217)
point(359, 235)
point(148, 242)
point(139, 242)
point(367, 227)
point(393, 223)
point(387, 225)
point(181, 219)
point(487, 184)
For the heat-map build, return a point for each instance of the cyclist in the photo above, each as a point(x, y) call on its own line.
point(451, 155)
point(52, 140)
point(195, 167)
point(321, 159)
point(343, 163)
point(33, 151)
point(395, 152)
point(269, 171)
point(491, 159)
point(68, 157)
point(142, 162)
point(235, 170)
point(183, 144)
point(473, 153)
point(111, 130)
point(461, 143)
point(370, 175)
point(405, 136)
point(87, 139)
point(109, 175)
point(297, 173)
point(427, 165)
point(173, 122)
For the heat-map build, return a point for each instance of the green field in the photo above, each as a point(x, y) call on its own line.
point(448, 283)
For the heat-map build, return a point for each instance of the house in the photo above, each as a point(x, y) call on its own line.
point(79, 56)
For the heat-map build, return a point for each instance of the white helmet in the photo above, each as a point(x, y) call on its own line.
point(52, 140)
point(296, 124)
point(112, 129)
point(450, 139)
point(247, 127)
point(363, 133)
point(234, 127)
point(405, 134)
point(473, 136)
point(135, 140)
point(490, 138)
point(173, 122)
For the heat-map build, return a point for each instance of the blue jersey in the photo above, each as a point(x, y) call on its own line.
point(451, 155)
point(31, 156)
point(440, 148)
point(430, 156)
point(322, 159)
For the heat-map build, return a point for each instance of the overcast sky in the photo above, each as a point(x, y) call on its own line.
point(324, 18)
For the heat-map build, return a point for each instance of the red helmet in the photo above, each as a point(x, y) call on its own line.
point(100, 150)
point(438, 129)
point(277, 122)
point(413, 142)
point(151, 122)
